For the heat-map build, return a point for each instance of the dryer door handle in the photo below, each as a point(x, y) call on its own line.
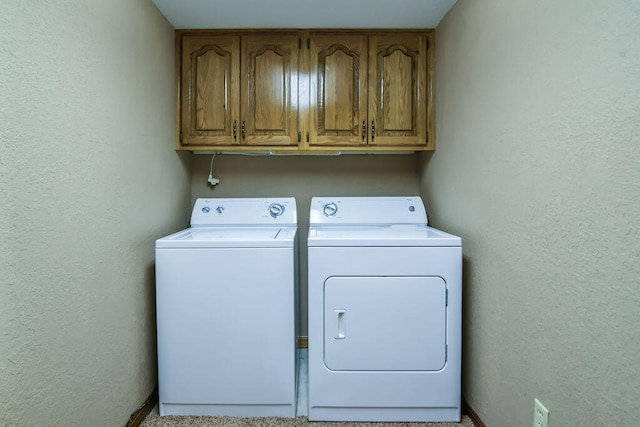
point(340, 324)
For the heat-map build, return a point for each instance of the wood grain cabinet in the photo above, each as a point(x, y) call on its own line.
point(209, 91)
point(399, 101)
point(338, 89)
point(304, 91)
point(269, 89)
point(371, 91)
point(239, 90)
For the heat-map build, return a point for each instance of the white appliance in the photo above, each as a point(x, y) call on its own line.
point(384, 312)
point(226, 295)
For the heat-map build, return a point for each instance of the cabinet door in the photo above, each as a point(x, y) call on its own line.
point(269, 89)
point(210, 90)
point(398, 89)
point(338, 89)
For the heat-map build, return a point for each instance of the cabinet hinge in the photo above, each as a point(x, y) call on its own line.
point(308, 43)
point(299, 136)
point(299, 43)
point(427, 137)
point(180, 136)
point(307, 136)
point(428, 44)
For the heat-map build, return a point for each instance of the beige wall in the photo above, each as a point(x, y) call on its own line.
point(538, 169)
point(89, 179)
point(303, 177)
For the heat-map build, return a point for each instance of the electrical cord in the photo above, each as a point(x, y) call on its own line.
point(211, 180)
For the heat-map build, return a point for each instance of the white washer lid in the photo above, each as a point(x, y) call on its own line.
point(393, 235)
point(230, 237)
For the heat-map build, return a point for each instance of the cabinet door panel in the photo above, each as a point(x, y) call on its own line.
point(398, 90)
point(209, 89)
point(338, 89)
point(270, 89)
point(397, 73)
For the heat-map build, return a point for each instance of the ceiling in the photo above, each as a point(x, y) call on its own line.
point(304, 13)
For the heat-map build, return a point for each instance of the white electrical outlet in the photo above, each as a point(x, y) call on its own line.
point(540, 415)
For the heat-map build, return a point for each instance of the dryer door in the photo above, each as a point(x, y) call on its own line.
point(385, 323)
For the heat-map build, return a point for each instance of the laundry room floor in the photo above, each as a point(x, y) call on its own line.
point(301, 420)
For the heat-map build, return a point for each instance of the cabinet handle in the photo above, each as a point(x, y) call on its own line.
point(243, 130)
point(235, 130)
point(364, 130)
point(373, 131)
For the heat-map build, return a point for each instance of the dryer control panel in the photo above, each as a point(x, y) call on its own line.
point(367, 211)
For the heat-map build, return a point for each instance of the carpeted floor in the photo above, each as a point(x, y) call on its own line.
point(181, 421)
point(154, 420)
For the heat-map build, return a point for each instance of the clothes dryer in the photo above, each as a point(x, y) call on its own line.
point(226, 294)
point(384, 312)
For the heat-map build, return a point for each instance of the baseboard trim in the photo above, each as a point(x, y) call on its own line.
point(477, 422)
point(141, 413)
point(303, 342)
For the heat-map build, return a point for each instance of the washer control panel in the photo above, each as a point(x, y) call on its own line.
point(244, 211)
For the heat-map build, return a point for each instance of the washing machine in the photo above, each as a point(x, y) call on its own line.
point(384, 312)
point(226, 297)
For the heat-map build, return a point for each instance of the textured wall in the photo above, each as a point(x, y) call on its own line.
point(88, 180)
point(538, 169)
point(303, 177)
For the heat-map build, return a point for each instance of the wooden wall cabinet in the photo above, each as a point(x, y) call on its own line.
point(239, 90)
point(269, 89)
point(301, 91)
point(338, 89)
point(370, 90)
point(209, 91)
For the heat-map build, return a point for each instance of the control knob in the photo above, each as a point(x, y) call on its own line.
point(330, 209)
point(276, 209)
